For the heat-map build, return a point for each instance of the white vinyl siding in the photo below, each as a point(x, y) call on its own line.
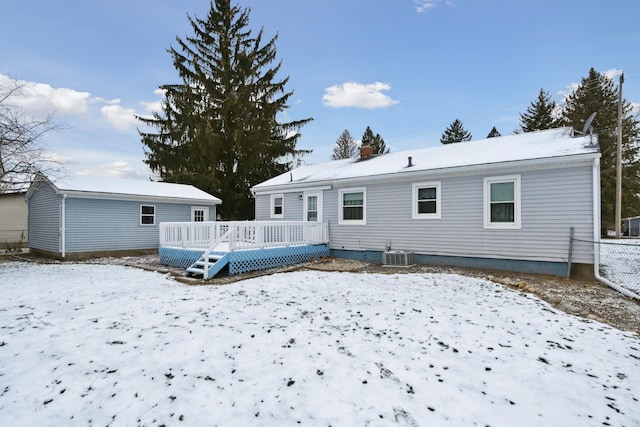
point(44, 219)
point(461, 232)
point(352, 206)
point(502, 202)
point(426, 200)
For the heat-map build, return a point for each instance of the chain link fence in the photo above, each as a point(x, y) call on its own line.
point(619, 262)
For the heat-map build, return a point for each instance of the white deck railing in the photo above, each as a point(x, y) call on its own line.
point(242, 234)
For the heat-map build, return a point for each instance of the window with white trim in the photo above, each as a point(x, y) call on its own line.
point(352, 206)
point(502, 202)
point(147, 215)
point(426, 200)
point(277, 206)
point(199, 213)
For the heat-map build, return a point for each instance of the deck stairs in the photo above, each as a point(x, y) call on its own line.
point(207, 270)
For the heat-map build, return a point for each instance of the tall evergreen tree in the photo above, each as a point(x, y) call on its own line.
point(455, 133)
point(540, 115)
point(494, 133)
point(218, 128)
point(376, 141)
point(345, 146)
point(598, 94)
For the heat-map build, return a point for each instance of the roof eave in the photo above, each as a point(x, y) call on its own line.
point(134, 197)
point(400, 175)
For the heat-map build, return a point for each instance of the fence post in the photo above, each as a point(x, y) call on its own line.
point(570, 257)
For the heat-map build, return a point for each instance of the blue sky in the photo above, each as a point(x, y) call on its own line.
point(406, 68)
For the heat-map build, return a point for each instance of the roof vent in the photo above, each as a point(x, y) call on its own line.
point(409, 163)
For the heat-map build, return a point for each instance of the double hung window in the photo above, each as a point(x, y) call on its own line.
point(502, 202)
point(277, 206)
point(353, 206)
point(147, 215)
point(426, 200)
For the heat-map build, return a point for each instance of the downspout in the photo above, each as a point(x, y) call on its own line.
point(596, 235)
point(63, 227)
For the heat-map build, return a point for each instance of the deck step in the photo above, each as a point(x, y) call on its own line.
point(217, 261)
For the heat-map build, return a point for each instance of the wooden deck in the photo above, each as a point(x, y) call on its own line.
point(207, 248)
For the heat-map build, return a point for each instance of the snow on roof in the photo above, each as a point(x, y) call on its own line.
point(116, 187)
point(528, 146)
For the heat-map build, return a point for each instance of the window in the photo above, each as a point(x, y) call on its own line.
point(277, 206)
point(502, 202)
point(353, 206)
point(199, 213)
point(312, 209)
point(426, 200)
point(147, 215)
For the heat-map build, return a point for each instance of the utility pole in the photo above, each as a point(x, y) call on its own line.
point(619, 161)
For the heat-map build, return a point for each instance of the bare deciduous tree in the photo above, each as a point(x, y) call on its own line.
point(22, 152)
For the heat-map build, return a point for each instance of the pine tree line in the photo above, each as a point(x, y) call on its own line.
point(346, 147)
point(596, 93)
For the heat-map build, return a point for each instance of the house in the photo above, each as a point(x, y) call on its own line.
point(95, 216)
point(13, 220)
point(507, 203)
point(631, 226)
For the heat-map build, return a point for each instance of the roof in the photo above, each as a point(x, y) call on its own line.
point(541, 145)
point(99, 187)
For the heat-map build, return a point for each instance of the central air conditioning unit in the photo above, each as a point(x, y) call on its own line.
point(398, 258)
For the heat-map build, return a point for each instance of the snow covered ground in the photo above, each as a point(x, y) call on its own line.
point(109, 345)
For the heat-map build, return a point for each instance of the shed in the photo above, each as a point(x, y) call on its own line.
point(631, 226)
point(13, 220)
point(505, 203)
point(95, 216)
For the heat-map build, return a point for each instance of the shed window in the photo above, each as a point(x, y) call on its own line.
point(353, 206)
point(277, 206)
point(426, 200)
point(502, 202)
point(147, 215)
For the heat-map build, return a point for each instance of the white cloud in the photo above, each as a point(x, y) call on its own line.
point(423, 6)
point(426, 5)
point(352, 94)
point(613, 72)
point(121, 118)
point(42, 100)
point(563, 94)
point(117, 169)
point(154, 106)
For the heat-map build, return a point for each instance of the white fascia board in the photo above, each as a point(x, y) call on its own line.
point(288, 189)
point(136, 198)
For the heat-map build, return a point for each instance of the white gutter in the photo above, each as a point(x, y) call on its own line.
point(63, 227)
point(596, 235)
